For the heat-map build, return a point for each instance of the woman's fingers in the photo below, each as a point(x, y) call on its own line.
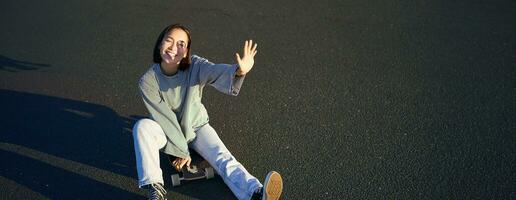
point(239, 60)
point(178, 163)
point(246, 45)
point(253, 50)
point(179, 166)
point(249, 48)
point(185, 162)
point(175, 165)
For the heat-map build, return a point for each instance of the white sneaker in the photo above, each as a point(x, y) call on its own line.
point(272, 186)
point(157, 192)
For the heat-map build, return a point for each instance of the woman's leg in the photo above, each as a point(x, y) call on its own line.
point(149, 138)
point(208, 144)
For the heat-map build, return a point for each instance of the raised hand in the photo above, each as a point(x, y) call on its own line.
point(247, 61)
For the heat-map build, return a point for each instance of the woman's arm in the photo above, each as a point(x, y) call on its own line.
point(166, 118)
point(221, 76)
point(227, 78)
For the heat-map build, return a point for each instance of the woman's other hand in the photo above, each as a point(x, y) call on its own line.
point(246, 62)
point(178, 163)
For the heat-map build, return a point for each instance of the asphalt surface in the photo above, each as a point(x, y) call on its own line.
point(347, 99)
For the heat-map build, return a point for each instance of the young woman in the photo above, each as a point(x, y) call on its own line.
point(172, 90)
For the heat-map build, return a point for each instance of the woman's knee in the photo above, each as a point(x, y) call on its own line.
point(144, 125)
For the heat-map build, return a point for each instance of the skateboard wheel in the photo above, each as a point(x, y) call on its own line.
point(175, 180)
point(209, 173)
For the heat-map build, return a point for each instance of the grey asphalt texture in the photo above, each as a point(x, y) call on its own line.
point(347, 99)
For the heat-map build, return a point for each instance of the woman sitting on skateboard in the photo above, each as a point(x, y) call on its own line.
point(172, 90)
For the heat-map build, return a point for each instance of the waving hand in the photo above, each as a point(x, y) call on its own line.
point(246, 62)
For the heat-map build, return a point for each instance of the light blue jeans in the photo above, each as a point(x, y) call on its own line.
point(149, 138)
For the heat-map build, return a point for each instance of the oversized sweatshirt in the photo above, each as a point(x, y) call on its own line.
point(174, 102)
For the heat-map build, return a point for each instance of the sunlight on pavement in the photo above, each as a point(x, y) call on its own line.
point(107, 177)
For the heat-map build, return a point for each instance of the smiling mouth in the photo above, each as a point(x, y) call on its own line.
point(169, 53)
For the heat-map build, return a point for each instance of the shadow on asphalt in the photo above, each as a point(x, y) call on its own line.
point(67, 149)
point(12, 65)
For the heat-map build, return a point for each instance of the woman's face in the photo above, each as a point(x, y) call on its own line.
point(174, 46)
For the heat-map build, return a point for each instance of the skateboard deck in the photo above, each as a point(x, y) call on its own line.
point(197, 170)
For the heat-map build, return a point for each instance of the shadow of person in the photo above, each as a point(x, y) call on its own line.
point(65, 149)
point(12, 65)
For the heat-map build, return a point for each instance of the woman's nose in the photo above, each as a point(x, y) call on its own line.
point(174, 48)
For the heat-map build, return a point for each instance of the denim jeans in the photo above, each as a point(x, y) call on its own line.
point(149, 138)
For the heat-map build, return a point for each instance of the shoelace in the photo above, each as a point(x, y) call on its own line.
point(257, 195)
point(157, 192)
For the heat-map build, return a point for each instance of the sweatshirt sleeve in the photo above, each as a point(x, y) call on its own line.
point(221, 76)
point(166, 118)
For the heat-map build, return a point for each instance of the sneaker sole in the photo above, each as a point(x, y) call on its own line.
point(273, 186)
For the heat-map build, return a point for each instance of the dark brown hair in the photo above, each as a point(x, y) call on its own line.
point(185, 62)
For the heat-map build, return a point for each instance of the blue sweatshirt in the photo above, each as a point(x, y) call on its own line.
point(174, 102)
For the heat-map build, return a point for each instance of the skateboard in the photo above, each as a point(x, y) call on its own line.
point(196, 171)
